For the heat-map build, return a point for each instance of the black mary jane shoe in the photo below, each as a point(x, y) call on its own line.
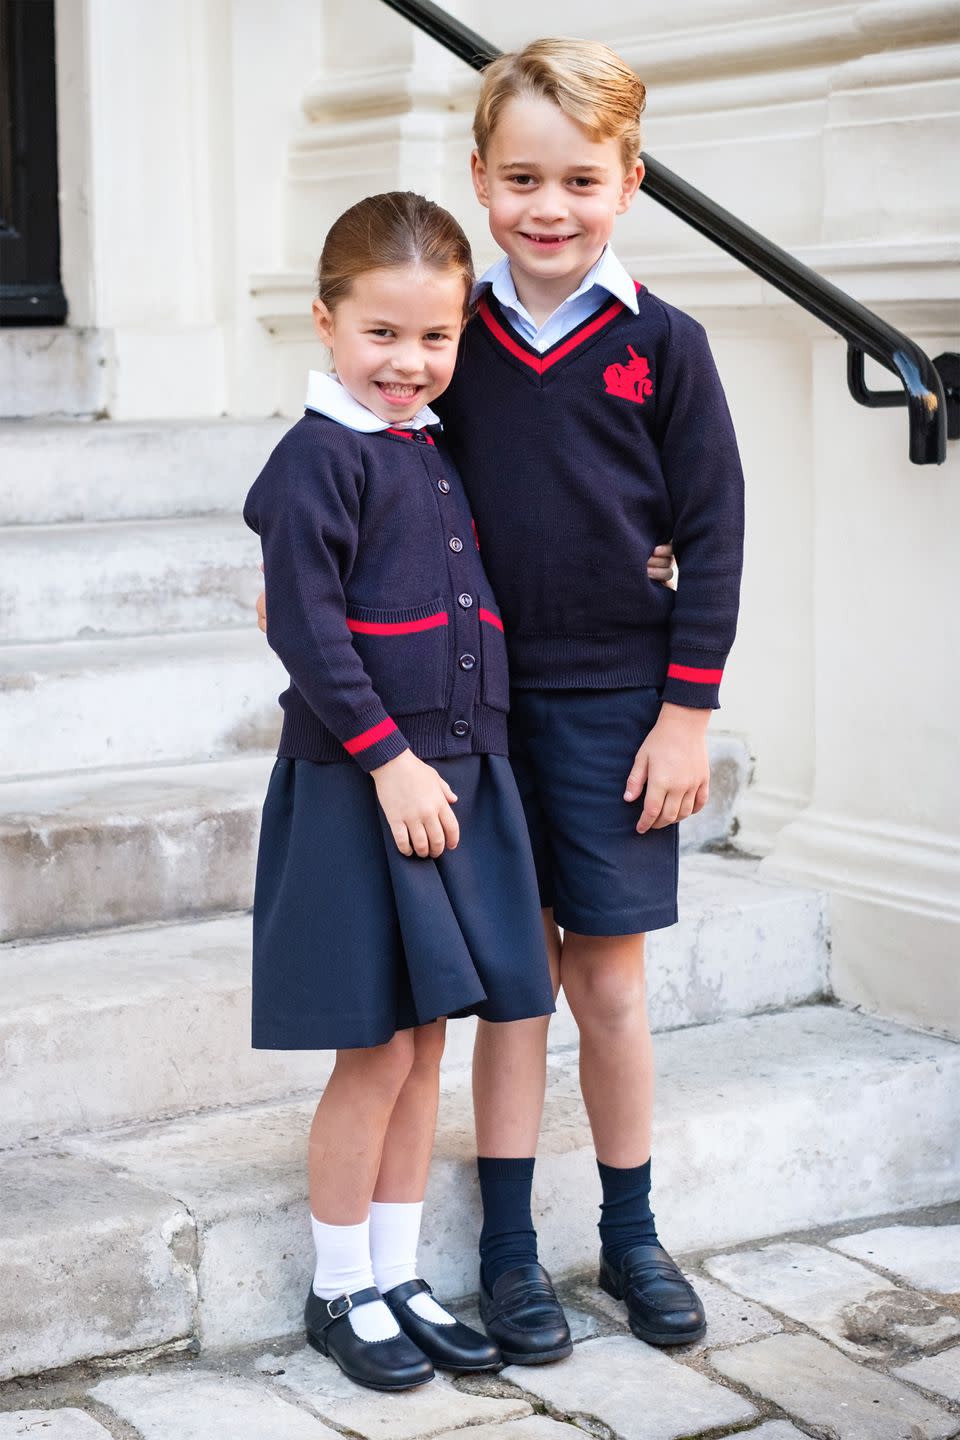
point(523, 1316)
point(394, 1364)
point(663, 1308)
point(454, 1347)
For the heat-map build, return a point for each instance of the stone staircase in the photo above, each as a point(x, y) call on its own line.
point(152, 1164)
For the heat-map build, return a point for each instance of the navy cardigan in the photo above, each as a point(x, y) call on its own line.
point(378, 604)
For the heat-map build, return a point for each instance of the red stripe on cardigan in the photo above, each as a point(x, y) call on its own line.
point(397, 627)
point(491, 619)
point(541, 363)
point(697, 677)
point(369, 737)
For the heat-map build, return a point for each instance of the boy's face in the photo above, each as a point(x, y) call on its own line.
point(552, 192)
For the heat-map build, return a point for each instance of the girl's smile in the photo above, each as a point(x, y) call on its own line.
point(394, 337)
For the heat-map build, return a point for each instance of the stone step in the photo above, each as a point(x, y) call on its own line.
point(146, 700)
point(73, 470)
point(134, 1024)
point(130, 846)
point(128, 577)
point(198, 1226)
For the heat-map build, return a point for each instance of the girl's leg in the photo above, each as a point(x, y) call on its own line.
point(397, 1209)
point(346, 1142)
point(509, 1078)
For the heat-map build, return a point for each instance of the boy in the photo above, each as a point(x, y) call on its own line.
point(589, 424)
point(611, 433)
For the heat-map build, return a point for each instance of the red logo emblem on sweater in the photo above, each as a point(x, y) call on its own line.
point(631, 381)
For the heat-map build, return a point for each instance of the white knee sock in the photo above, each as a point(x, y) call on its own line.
point(394, 1236)
point(343, 1266)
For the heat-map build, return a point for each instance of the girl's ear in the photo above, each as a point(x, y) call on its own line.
point(478, 172)
point(629, 186)
point(323, 322)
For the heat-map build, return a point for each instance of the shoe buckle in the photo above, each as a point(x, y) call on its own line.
point(342, 1300)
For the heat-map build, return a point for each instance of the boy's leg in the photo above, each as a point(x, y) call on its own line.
point(517, 1302)
point(604, 982)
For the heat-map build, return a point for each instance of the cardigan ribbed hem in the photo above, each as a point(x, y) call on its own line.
point(430, 736)
point(619, 660)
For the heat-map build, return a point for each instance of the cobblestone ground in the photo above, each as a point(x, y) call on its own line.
point(851, 1333)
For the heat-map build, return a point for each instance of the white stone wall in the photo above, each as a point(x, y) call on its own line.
point(206, 145)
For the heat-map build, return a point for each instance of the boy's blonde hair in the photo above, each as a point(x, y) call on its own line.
point(587, 80)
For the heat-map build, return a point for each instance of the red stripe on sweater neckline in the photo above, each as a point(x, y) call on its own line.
point(542, 363)
point(409, 434)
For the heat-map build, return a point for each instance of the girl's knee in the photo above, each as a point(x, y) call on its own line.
point(429, 1041)
point(383, 1067)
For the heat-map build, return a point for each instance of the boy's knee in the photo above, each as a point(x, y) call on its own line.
point(605, 988)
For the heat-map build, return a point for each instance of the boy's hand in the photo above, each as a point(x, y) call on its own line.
point(660, 566)
point(416, 801)
point(674, 766)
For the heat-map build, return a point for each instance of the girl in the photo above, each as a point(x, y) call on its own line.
point(373, 918)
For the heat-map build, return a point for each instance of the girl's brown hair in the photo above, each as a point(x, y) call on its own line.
point(587, 80)
point(384, 232)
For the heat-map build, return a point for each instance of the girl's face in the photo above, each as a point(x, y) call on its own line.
point(394, 338)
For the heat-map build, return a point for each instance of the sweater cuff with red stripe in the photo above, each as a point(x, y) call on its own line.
point(376, 744)
point(694, 681)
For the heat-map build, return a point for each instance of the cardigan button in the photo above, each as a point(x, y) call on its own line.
point(467, 662)
point(460, 728)
point(464, 601)
point(456, 544)
point(443, 486)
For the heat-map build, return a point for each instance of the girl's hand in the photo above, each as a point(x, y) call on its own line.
point(262, 608)
point(674, 766)
point(416, 801)
point(660, 566)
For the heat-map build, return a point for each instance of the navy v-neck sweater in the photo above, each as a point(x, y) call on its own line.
point(379, 606)
point(577, 462)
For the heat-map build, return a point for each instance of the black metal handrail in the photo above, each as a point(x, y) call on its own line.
point(932, 413)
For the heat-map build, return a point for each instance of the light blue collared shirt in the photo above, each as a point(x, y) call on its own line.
point(606, 277)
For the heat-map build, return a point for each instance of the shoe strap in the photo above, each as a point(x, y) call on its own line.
point(403, 1292)
point(341, 1305)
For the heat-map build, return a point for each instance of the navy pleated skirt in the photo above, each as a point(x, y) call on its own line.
point(353, 941)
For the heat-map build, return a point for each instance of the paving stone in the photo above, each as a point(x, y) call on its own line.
point(928, 1256)
point(415, 1415)
point(775, 1430)
point(50, 1425)
point(604, 1378)
point(199, 1406)
point(535, 1427)
point(91, 1264)
point(939, 1373)
point(856, 1308)
point(820, 1387)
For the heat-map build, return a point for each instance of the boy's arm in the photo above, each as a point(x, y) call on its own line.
point(308, 532)
point(701, 466)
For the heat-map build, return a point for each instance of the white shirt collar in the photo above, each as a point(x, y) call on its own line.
point(608, 273)
point(326, 395)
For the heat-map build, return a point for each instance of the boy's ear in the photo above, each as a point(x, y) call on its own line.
point(323, 322)
point(478, 173)
point(629, 186)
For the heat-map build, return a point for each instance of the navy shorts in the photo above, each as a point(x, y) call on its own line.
point(571, 752)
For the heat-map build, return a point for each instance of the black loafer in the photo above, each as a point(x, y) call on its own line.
point(663, 1308)
point(451, 1347)
point(394, 1364)
point(524, 1317)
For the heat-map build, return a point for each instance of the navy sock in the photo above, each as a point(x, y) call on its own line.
point(508, 1238)
point(625, 1215)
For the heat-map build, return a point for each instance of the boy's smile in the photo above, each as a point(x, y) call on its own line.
point(553, 195)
